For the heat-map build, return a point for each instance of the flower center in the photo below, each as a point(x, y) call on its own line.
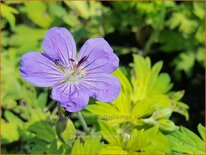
point(77, 72)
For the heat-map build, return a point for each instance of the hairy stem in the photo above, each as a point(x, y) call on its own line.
point(83, 123)
point(60, 113)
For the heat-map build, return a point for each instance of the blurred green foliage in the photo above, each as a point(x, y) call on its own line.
point(139, 119)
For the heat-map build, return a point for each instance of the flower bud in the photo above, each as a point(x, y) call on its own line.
point(163, 113)
point(167, 125)
point(65, 130)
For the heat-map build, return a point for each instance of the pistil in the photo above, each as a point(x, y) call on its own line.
point(76, 71)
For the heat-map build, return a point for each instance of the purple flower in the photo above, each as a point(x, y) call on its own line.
point(73, 79)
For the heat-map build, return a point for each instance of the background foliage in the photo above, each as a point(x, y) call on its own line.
point(147, 115)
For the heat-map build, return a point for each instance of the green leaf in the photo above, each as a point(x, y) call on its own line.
point(102, 109)
point(37, 146)
point(174, 43)
point(167, 125)
point(42, 100)
point(181, 108)
point(162, 84)
point(40, 17)
point(147, 106)
point(199, 10)
point(36, 114)
point(54, 148)
point(176, 96)
point(14, 119)
point(144, 77)
point(24, 33)
point(153, 75)
point(156, 142)
point(201, 56)
point(8, 13)
point(57, 10)
point(200, 34)
point(146, 141)
point(112, 149)
point(9, 132)
point(201, 130)
point(185, 62)
point(77, 147)
point(84, 9)
point(71, 20)
point(184, 23)
point(109, 133)
point(126, 86)
point(162, 113)
point(135, 143)
point(157, 16)
point(185, 141)
point(91, 145)
point(43, 131)
point(81, 8)
point(123, 102)
point(141, 76)
point(124, 50)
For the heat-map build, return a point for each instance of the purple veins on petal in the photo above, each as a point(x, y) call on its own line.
point(39, 70)
point(70, 96)
point(103, 87)
point(100, 56)
point(59, 45)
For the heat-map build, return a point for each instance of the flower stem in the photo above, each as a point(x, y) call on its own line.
point(83, 123)
point(60, 113)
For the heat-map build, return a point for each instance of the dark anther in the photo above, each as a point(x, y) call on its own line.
point(72, 60)
point(82, 60)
